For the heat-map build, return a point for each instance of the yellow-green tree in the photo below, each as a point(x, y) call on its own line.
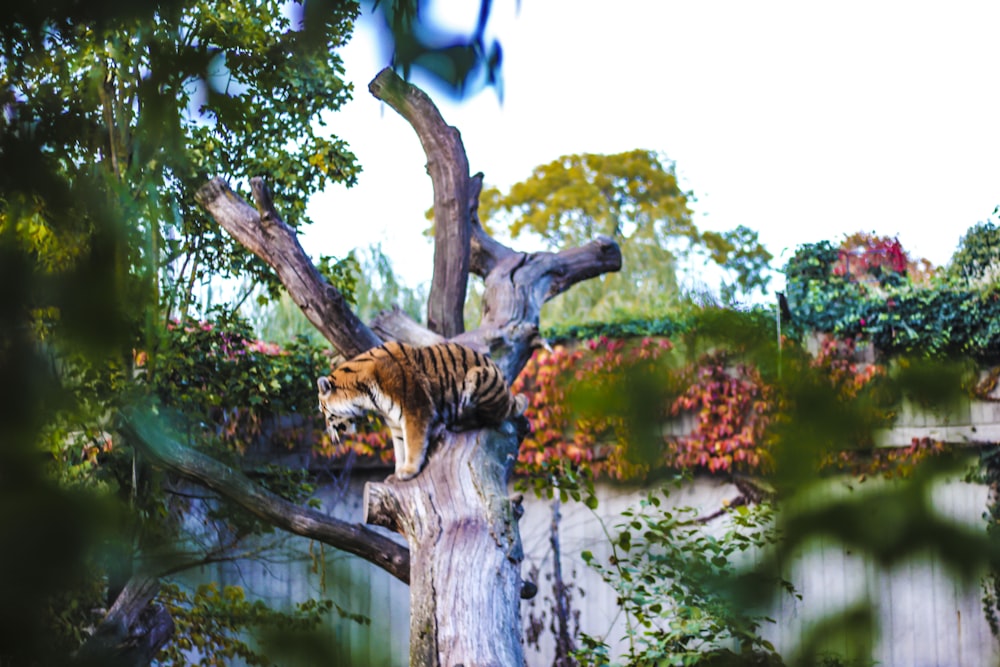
point(634, 198)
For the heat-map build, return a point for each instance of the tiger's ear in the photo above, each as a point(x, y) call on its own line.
point(324, 385)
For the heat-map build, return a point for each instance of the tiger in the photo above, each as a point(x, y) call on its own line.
point(417, 390)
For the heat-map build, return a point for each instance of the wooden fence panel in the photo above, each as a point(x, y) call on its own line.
point(926, 616)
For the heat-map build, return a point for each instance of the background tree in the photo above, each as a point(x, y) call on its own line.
point(635, 198)
point(976, 259)
point(868, 257)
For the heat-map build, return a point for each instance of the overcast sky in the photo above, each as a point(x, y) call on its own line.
point(802, 120)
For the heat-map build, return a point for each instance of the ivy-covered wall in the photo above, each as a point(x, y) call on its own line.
point(941, 314)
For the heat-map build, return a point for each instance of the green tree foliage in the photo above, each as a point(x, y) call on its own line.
point(872, 291)
point(111, 117)
point(215, 623)
point(368, 282)
point(381, 288)
point(977, 260)
point(140, 110)
point(635, 198)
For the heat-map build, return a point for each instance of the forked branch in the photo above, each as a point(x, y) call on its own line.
point(517, 284)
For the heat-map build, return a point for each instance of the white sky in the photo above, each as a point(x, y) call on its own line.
point(802, 120)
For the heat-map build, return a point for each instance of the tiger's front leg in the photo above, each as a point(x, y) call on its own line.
point(416, 438)
point(398, 448)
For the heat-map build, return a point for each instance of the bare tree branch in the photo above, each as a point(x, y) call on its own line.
point(265, 234)
point(448, 167)
point(517, 284)
point(234, 485)
point(516, 288)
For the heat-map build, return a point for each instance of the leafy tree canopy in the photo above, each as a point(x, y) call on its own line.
point(633, 197)
point(110, 117)
point(139, 109)
point(978, 255)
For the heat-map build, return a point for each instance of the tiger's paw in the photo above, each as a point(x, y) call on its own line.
point(405, 472)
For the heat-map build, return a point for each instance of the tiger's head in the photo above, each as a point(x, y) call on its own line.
point(335, 406)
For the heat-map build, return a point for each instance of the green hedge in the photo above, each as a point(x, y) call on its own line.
point(945, 317)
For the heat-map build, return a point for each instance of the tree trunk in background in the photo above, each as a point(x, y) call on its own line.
point(561, 607)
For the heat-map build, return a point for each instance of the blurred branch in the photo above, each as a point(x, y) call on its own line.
point(133, 631)
point(235, 486)
point(486, 251)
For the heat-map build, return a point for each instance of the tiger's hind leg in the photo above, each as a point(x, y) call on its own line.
point(486, 400)
point(467, 411)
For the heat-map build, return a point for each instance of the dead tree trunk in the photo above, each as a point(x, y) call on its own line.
point(465, 551)
point(464, 547)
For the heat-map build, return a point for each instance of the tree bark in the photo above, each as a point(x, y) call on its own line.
point(133, 631)
point(465, 550)
point(396, 325)
point(561, 607)
point(517, 286)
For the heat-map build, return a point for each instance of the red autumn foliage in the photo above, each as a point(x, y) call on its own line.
point(841, 360)
point(723, 408)
point(868, 258)
point(732, 408)
point(558, 432)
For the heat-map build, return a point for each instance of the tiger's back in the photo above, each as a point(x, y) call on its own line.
point(417, 389)
point(467, 388)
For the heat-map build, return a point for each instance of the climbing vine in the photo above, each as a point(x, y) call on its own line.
point(732, 408)
point(900, 308)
